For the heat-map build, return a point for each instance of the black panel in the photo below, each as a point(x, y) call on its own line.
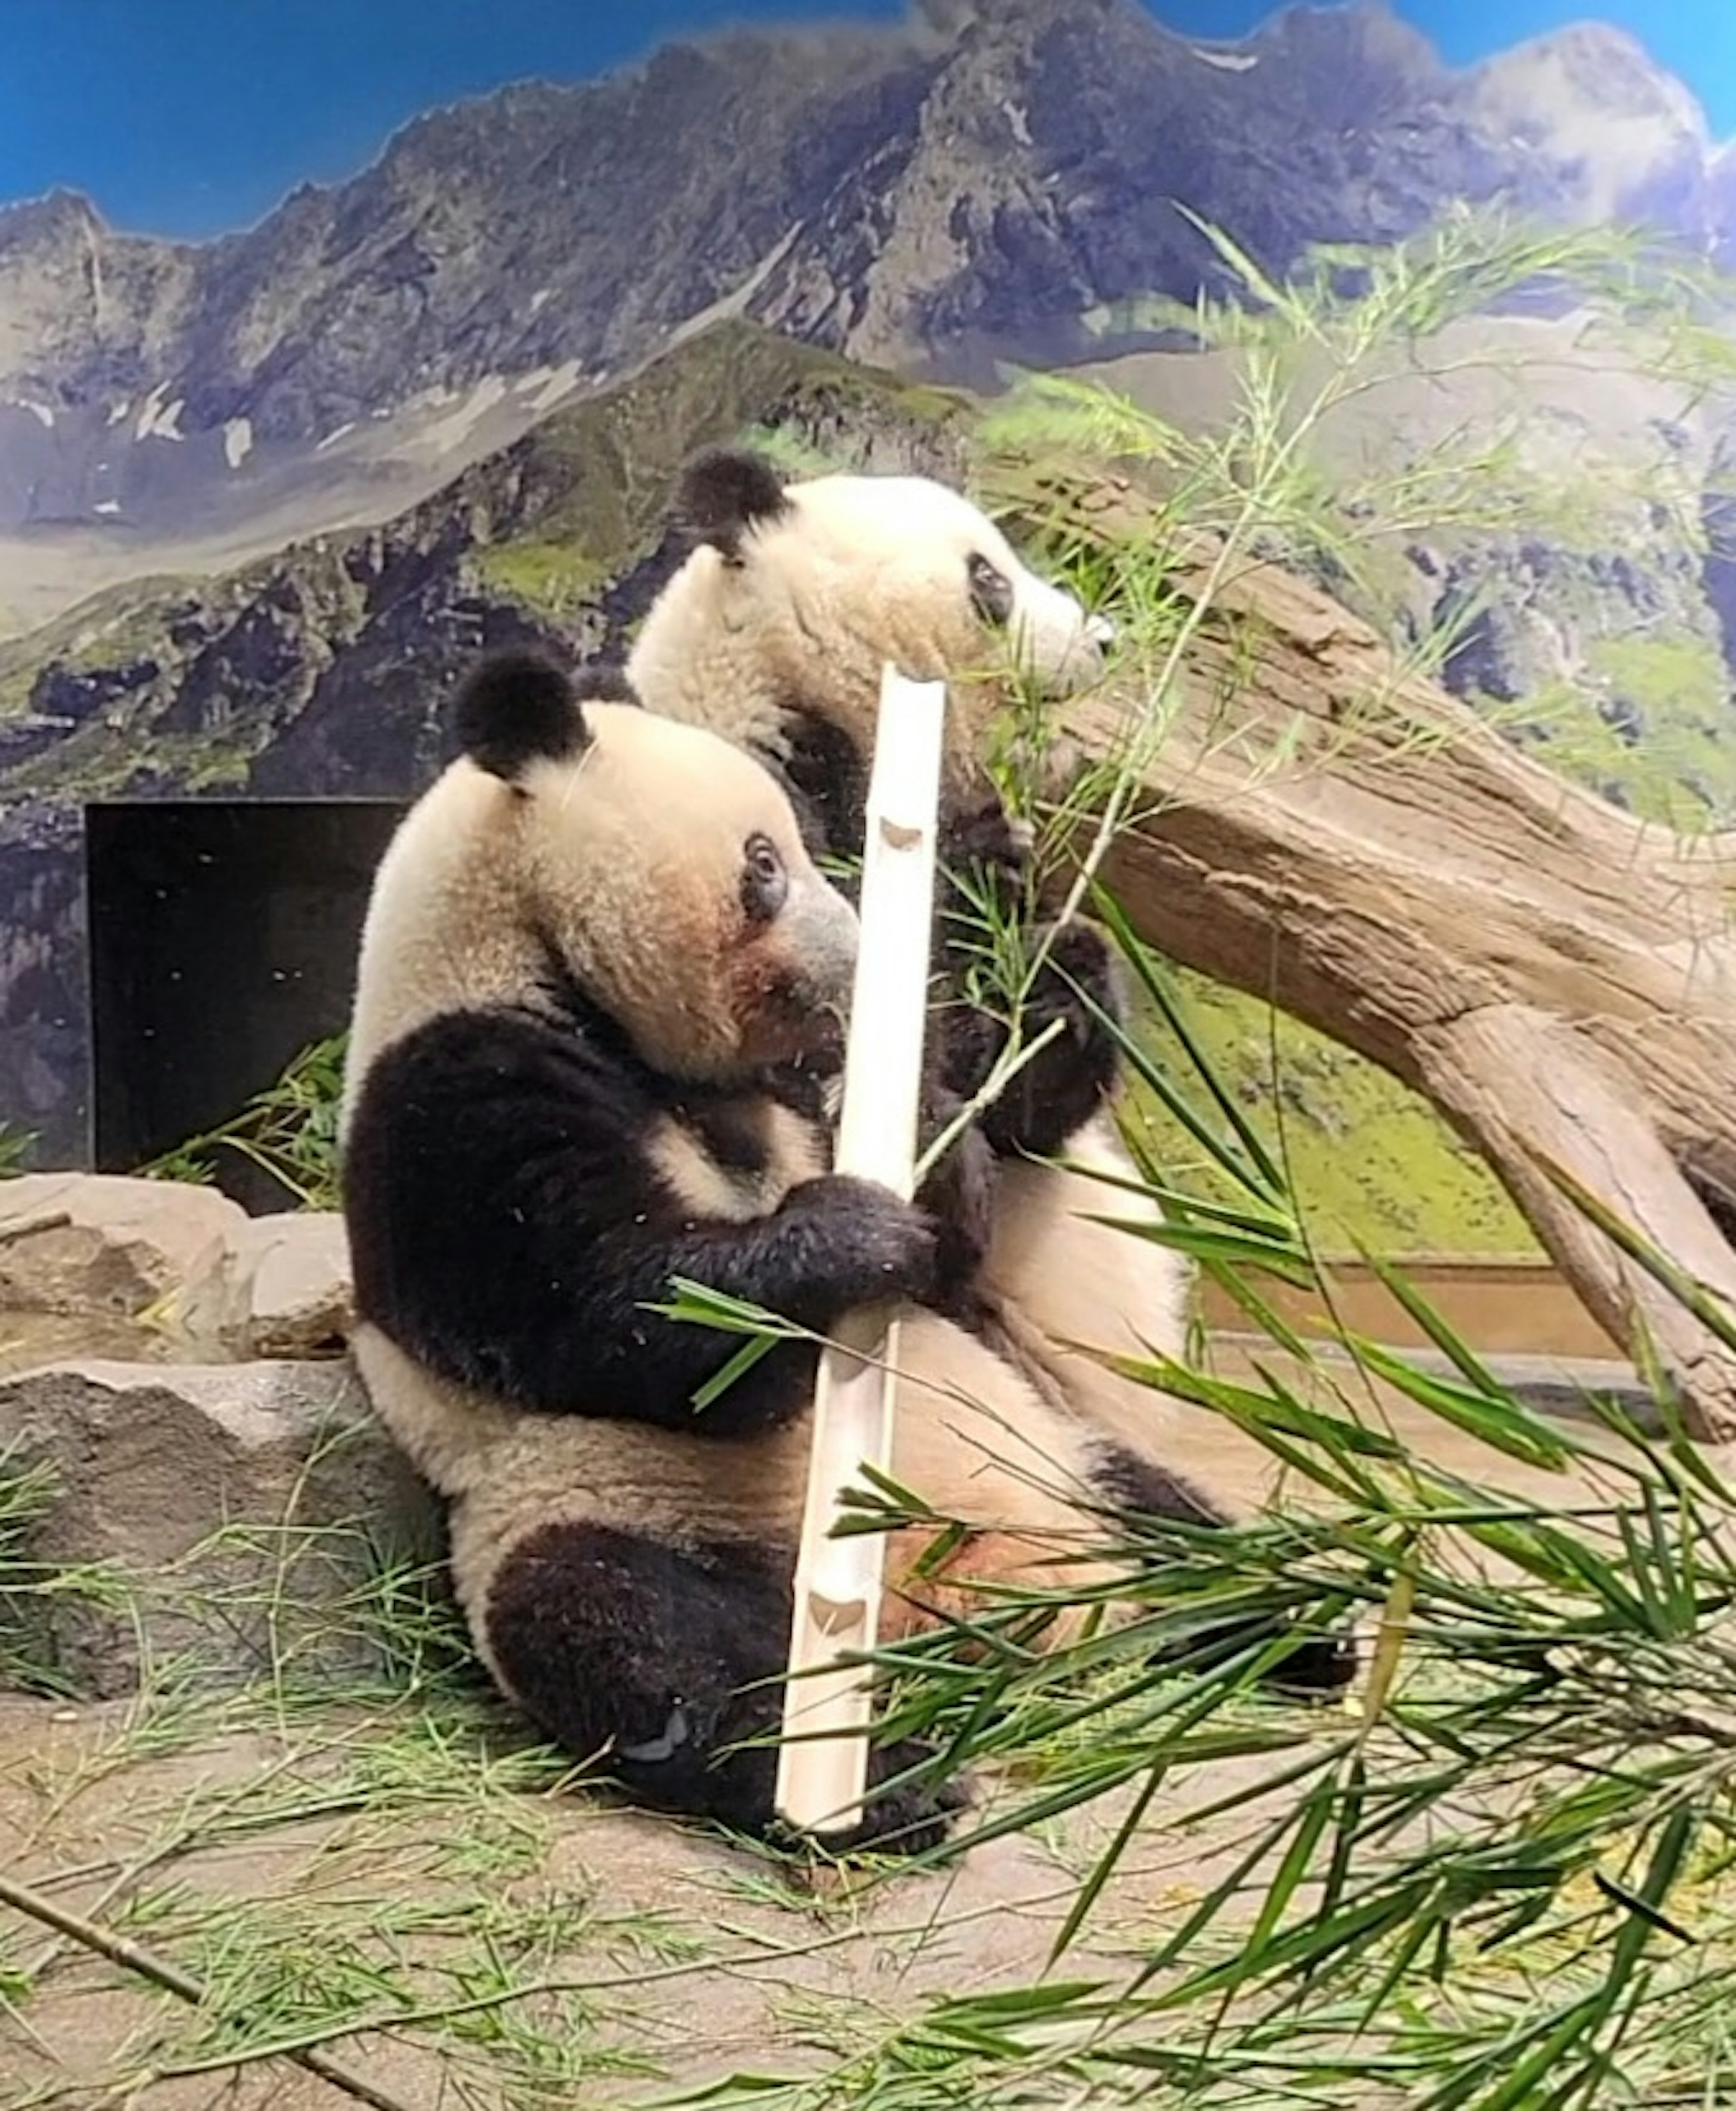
point(223, 937)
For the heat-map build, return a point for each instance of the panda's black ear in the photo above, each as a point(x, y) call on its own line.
point(725, 491)
point(517, 708)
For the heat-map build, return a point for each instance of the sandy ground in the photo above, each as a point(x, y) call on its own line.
point(779, 1982)
point(683, 1957)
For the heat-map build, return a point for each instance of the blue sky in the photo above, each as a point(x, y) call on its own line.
point(188, 116)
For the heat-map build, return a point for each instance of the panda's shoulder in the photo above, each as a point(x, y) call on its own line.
point(501, 1080)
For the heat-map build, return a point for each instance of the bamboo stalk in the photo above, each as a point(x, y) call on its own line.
point(822, 1765)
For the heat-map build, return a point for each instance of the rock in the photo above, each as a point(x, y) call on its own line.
point(224, 1284)
point(300, 1303)
point(280, 1287)
point(244, 1508)
point(102, 1244)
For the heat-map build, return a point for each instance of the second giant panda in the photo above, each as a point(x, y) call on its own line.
point(601, 985)
point(772, 632)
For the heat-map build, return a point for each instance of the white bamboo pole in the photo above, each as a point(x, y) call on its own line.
point(821, 1766)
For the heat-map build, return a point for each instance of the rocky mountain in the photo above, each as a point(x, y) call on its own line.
point(325, 667)
point(969, 186)
point(322, 671)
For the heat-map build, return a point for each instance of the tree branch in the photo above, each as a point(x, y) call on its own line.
point(1325, 828)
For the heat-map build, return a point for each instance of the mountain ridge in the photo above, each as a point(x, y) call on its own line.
point(437, 405)
point(934, 196)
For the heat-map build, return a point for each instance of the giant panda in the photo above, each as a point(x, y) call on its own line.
point(772, 631)
point(600, 1006)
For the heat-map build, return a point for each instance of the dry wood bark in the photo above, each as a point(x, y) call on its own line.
point(1552, 974)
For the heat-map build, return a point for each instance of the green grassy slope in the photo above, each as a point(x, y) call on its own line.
point(1368, 1159)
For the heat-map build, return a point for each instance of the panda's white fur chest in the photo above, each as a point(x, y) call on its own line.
point(787, 1151)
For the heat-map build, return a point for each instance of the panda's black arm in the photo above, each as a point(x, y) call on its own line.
point(1071, 1076)
point(508, 1226)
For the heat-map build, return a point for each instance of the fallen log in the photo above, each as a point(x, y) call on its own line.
point(1327, 830)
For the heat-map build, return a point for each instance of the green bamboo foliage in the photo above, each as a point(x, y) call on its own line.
point(289, 1131)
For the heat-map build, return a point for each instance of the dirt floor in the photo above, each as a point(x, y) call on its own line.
point(679, 1958)
point(328, 1864)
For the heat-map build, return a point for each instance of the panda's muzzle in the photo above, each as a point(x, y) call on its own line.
point(809, 955)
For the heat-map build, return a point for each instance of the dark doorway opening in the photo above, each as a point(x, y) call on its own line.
point(223, 937)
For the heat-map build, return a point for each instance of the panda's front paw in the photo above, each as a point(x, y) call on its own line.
point(985, 833)
point(909, 1819)
point(1080, 979)
point(984, 851)
point(1070, 1076)
point(1313, 1667)
point(862, 1244)
point(1318, 1666)
point(960, 1196)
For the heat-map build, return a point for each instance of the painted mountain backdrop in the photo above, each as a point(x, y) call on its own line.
point(259, 494)
point(985, 184)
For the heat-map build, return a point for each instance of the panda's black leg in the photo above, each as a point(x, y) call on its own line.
point(1315, 1665)
point(657, 1662)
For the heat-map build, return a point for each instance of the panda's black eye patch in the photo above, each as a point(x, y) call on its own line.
point(992, 591)
point(764, 881)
